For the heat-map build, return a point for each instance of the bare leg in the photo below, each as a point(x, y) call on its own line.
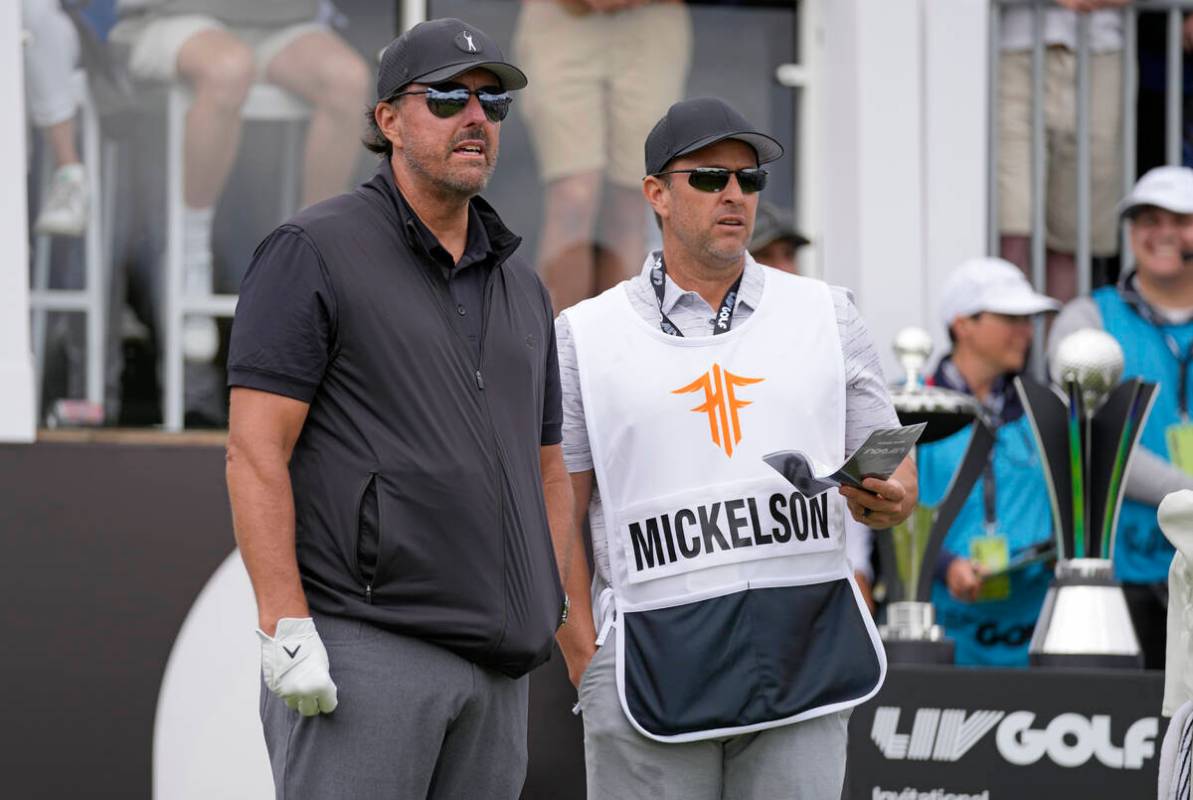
point(622, 236)
point(61, 139)
point(1060, 268)
point(1062, 275)
point(330, 75)
point(566, 248)
point(1017, 250)
point(220, 69)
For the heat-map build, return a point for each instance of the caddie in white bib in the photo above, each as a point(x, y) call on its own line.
point(736, 608)
point(729, 639)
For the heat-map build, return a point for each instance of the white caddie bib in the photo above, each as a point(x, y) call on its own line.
point(736, 607)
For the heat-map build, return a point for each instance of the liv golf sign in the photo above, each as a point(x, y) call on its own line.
point(949, 734)
point(1069, 740)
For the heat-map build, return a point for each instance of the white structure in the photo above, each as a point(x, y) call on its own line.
point(207, 739)
point(17, 414)
point(903, 129)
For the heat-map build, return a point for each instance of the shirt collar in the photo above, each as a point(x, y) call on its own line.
point(487, 234)
point(748, 295)
point(1128, 290)
point(1002, 404)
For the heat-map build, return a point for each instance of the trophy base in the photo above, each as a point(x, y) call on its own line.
point(1085, 622)
point(925, 651)
point(911, 635)
point(942, 422)
point(1085, 661)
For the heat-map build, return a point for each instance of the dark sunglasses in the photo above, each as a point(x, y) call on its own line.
point(715, 179)
point(449, 99)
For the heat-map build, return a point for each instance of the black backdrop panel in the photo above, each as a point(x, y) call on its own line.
point(103, 549)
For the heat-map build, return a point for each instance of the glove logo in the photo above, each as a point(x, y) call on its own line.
point(294, 652)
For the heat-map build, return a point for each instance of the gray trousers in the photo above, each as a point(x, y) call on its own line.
point(414, 722)
point(804, 761)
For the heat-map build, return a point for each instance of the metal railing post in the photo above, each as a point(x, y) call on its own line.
point(1084, 234)
point(1130, 90)
point(1172, 104)
point(1038, 182)
point(993, 67)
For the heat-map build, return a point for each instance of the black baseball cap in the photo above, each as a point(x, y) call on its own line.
point(691, 124)
point(439, 50)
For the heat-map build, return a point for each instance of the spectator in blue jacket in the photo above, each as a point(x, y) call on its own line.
point(990, 612)
point(1150, 313)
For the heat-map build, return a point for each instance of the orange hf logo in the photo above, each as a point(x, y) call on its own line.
point(721, 404)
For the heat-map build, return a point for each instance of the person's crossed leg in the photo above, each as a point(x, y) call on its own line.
point(221, 68)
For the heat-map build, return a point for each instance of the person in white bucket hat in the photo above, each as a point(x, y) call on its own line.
point(990, 284)
point(988, 306)
point(1150, 313)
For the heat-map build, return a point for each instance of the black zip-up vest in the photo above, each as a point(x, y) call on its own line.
point(416, 478)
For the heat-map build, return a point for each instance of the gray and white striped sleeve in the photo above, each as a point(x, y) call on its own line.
point(867, 400)
point(577, 455)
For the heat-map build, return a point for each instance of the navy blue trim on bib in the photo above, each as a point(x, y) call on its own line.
point(746, 658)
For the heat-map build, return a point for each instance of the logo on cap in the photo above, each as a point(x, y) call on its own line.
point(464, 41)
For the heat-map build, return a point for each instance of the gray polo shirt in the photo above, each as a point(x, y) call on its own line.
point(867, 401)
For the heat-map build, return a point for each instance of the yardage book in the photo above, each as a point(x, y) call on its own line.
point(878, 457)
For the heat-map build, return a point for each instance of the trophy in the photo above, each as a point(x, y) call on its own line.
point(1086, 427)
point(945, 411)
point(911, 634)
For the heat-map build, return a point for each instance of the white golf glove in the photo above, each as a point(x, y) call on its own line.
point(294, 663)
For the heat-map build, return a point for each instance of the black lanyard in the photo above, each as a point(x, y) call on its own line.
point(988, 494)
point(995, 423)
point(1183, 360)
point(724, 318)
point(989, 489)
point(1182, 381)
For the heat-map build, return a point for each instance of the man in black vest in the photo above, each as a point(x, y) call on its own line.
point(395, 426)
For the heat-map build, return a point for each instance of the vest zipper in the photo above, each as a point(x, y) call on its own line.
point(480, 387)
point(500, 450)
point(367, 580)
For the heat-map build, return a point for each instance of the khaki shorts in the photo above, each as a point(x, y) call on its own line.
point(153, 42)
point(1060, 112)
point(599, 83)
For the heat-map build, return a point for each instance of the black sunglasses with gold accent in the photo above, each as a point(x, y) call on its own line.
point(448, 99)
point(715, 179)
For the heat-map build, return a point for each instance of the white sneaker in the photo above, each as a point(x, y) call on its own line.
point(200, 339)
point(64, 212)
point(131, 326)
point(200, 336)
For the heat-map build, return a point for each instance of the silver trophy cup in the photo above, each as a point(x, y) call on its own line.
point(911, 634)
point(1086, 429)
